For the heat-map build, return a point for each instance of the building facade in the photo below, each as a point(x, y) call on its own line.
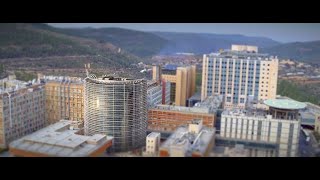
point(280, 126)
point(64, 98)
point(153, 143)
point(154, 94)
point(239, 74)
point(158, 93)
point(166, 88)
point(183, 83)
point(116, 107)
point(156, 73)
point(22, 110)
point(166, 118)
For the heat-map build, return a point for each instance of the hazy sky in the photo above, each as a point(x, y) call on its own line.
point(283, 32)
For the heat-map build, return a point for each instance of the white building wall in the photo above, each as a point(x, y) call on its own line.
point(153, 143)
point(231, 127)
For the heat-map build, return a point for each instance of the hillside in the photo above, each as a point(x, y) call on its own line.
point(146, 44)
point(302, 51)
point(140, 43)
point(200, 43)
point(32, 44)
point(299, 92)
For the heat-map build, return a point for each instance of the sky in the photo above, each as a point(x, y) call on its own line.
point(282, 32)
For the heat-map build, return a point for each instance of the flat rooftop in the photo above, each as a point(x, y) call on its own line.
point(249, 113)
point(285, 104)
point(182, 109)
point(171, 67)
point(13, 85)
point(153, 134)
point(63, 79)
point(60, 139)
point(112, 80)
point(189, 141)
point(240, 55)
point(212, 102)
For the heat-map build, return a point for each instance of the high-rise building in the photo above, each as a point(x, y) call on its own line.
point(183, 83)
point(116, 107)
point(154, 94)
point(166, 88)
point(158, 92)
point(278, 127)
point(64, 98)
point(193, 140)
point(156, 73)
point(61, 139)
point(22, 109)
point(239, 74)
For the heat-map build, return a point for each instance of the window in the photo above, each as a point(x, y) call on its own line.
point(241, 100)
point(228, 99)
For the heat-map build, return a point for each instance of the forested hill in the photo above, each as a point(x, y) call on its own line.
point(22, 40)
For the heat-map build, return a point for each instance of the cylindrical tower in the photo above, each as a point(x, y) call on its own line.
point(116, 107)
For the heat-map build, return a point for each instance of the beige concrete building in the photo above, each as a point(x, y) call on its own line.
point(22, 109)
point(62, 139)
point(239, 75)
point(153, 144)
point(156, 73)
point(183, 83)
point(64, 98)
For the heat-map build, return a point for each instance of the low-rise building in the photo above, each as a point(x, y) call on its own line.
point(194, 140)
point(62, 139)
point(280, 125)
point(166, 118)
point(152, 144)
